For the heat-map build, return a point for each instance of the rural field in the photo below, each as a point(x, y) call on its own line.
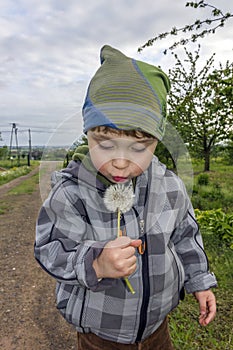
point(29, 319)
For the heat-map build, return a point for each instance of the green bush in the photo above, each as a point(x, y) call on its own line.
point(216, 222)
point(203, 179)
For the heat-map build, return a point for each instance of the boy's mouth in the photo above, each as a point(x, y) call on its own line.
point(119, 178)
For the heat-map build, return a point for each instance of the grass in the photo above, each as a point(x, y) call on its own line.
point(4, 207)
point(12, 173)
point(28, 186)
point(218, 171)
point(185, 330)
point(216, 193)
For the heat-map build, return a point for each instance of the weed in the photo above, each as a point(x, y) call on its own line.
point(217, 224)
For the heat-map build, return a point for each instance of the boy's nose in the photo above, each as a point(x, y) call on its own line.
point(120, 163)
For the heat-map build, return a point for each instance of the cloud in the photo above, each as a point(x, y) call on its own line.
point(50, 49)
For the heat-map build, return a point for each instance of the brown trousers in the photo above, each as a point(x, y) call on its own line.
point(159, 340)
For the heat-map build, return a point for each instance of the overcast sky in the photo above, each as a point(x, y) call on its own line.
point(50, 50)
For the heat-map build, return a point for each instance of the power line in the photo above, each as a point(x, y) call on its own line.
point(35, 131)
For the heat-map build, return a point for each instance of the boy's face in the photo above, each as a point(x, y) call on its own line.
point(119, 157)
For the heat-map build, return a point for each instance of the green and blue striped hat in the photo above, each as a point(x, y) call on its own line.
point(126, 94)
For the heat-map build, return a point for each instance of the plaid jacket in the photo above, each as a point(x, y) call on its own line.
point(74, 226)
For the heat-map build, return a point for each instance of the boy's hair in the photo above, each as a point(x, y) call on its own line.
point(134, 133)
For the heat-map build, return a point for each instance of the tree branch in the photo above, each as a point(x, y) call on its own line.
point(217, 14)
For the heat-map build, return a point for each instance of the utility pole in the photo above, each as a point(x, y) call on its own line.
point(17, 146)
point(14, 130)
point(30, 147)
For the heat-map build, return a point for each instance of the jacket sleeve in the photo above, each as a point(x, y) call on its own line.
point(189, 247)
point(61, 245)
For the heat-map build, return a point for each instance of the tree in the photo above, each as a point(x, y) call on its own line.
point(3, 152)
point(201, 28)
point(201, 103)
point(229, 150)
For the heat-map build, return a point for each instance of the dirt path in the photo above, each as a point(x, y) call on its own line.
point(29, 319)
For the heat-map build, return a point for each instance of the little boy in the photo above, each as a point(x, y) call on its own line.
point(154, 244)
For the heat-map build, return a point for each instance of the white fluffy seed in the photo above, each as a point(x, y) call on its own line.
point(119, 197)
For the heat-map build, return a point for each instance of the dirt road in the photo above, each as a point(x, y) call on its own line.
point(29, 319)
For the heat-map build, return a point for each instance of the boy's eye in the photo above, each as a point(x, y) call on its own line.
point(138, 148)
point(106, 145)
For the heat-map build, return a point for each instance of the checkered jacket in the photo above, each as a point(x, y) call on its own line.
point(74, 226)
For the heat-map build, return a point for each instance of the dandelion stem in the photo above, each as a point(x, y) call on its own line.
point(128, 284)
point(118, 223)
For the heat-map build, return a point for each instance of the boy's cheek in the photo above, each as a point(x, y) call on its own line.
point(144, 162)
point(99, 162)
point(137, 170)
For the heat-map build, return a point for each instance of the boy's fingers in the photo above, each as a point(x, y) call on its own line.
point(136, 243)
point(211, 312)
point(202, 307)
point(120, 242)
point(123, 242)
point(207, 307)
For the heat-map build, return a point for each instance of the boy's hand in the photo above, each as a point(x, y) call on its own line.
point(117, 258)
point(207, 306)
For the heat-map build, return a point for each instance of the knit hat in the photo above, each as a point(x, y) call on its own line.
point(126, 94)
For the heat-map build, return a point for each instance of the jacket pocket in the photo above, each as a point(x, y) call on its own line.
point(179, 266)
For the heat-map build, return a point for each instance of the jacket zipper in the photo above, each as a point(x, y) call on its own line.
point(146, 285)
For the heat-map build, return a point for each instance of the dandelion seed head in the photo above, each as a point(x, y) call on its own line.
point(119, 197)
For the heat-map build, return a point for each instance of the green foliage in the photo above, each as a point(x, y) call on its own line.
point(200, 103)
point(3, 151)
point(216, 223)
point(229, 151)
point(203, 179)
point(196, 30)
point(8, 175)
point(165, 156)
point(82, 140)
point(13, 163)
